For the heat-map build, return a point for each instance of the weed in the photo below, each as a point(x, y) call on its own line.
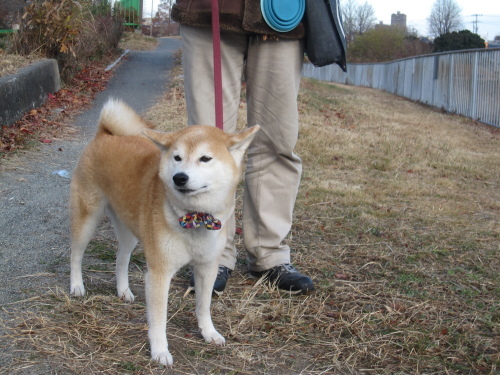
point(69, 31)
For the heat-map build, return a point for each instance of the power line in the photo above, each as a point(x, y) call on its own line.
point(476, 22)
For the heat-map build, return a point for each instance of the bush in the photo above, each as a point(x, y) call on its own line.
point(383, 44)
point(457, 41)
point(100, 36)
point(72, 32)
point(5, 41)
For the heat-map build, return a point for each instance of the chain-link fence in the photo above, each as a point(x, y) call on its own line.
point(462, 82)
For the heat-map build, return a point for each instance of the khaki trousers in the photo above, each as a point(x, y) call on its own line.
point(272, 71)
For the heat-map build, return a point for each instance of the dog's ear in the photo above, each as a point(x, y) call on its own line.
point(239, 142)
point(161, 139)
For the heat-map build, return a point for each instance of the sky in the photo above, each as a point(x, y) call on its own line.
point(417, 12)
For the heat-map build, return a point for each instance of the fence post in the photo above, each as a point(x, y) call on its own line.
point(449, 98)
point(473, 111)
point(434, 80)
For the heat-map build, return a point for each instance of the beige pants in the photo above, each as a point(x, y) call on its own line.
point(272, 177)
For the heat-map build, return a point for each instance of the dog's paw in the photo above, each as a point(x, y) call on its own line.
point(77, 290)
point(127, 296)
point(163, 358)
point(214, 337)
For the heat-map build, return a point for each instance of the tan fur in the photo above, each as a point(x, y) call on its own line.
point(128, 170)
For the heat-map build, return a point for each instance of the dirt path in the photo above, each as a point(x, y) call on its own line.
point(34, 188)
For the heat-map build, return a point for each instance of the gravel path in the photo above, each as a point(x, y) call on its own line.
point(34, 221)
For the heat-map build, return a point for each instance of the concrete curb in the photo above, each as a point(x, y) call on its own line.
point(27, 89)
point(111, 66)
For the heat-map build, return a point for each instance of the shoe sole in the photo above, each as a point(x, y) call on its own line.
point(293, 292)
point(190, 289)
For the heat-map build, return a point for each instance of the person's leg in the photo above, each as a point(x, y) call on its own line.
point(273, 171)
point(197, 59)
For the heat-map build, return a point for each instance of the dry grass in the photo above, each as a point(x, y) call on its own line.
point(137, 42)
point(397, 221)
point(10, 63)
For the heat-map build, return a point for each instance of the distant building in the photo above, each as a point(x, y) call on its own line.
point(398, 19)
point(381, 24)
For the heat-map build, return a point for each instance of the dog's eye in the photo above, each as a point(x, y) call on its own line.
point(177, 158)
point(205, 159)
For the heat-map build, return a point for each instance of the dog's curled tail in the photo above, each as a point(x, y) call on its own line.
point(117, 118)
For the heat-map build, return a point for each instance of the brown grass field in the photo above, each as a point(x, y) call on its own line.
point(397, 221)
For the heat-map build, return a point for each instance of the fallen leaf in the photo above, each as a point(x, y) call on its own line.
point(341, 276)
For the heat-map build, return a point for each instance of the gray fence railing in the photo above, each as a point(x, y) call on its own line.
point(463, 82)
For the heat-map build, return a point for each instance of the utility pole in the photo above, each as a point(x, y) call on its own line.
point(151, 27)
point(476, 22)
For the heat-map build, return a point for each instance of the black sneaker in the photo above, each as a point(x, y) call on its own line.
point(220, 282)
point(286, 278)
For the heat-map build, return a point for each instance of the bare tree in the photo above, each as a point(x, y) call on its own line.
point(348, 9)
point(164, 10)
point(357, 18)
point(162, 22)
point(446, 16)
point(366, 17)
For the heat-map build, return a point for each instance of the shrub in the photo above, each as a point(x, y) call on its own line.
point(72, 32)
point(5, 42)
point(100, 36)
point(458, 40)
point(385, 44)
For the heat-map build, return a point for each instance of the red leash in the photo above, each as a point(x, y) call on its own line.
point(219, 119)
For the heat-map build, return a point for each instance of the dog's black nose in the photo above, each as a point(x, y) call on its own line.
point(180, 179)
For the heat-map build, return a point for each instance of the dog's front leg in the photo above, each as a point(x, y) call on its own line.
point(204, 276)
point(157, 286)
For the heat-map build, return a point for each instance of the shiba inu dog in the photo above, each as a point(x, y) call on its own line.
point(173, 192)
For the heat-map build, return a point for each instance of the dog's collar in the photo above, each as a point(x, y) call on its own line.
point(196, 219)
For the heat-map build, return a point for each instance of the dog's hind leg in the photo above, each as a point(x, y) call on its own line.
point(126, 244)
point(86, 214)
point(205, 275)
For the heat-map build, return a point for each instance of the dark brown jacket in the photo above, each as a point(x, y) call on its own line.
point(243, 16)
